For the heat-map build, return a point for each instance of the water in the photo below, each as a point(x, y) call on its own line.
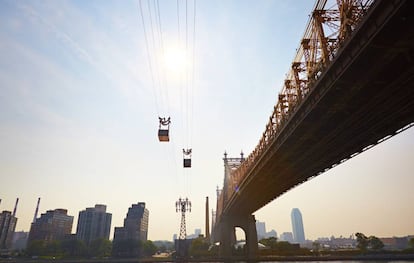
point(345, 261)
point(326, 261)
point(309, 261)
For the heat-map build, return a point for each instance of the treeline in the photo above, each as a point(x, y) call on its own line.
point(99, 248)
point(371, 243)
point(199, 248)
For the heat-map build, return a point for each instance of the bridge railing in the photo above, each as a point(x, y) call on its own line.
point(329, 26)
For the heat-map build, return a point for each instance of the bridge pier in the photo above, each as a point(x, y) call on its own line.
point(227, 237)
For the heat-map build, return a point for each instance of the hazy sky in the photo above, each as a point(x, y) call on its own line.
point(79, 114)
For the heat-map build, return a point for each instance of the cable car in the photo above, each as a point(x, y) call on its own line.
point(163, 130)
point(187, 158)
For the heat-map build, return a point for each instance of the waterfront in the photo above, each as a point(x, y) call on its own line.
point(218, 261)
point(399, 258)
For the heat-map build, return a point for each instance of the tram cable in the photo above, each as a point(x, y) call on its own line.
point(149, 59)
point(193, 75)
point(157, 60)
point(154, 41)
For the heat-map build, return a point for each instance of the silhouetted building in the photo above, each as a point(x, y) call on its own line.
point(93, 223)
point(52, 225)
point(271, 233)
point(134, 231)
point(341, 242)
point(7, 227)
point(297, 226)
point(395, 243)
point(197, 233)
point(135, 224)
point(286, 236)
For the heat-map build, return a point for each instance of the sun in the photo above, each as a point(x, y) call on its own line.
point(175, 60)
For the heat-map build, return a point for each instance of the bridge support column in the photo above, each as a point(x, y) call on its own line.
point(227, 237)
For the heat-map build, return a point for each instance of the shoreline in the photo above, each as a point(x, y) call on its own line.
point(376, 257)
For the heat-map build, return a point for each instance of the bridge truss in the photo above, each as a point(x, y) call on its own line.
point(329, 26)
point(349, 87)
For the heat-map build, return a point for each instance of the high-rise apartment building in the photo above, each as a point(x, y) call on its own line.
point(7, 226)
point(135, 224)
point(297, 226)
point(93, 223)
point(52, 225)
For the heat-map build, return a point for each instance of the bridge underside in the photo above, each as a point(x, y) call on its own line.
point(366, 94)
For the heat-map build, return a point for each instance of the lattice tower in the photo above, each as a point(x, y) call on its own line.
point(183, 206)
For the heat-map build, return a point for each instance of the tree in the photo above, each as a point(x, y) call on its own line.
point(372, 242)
point(199, 247)
point(148, 248)
point(164, 246)
point(73, 248)
point(100, 248)
point(375, 243)
point(126, 248)
point(284, 246)
point(411, 243)
point(316, 246)
point(362, 241)
point(36, 248)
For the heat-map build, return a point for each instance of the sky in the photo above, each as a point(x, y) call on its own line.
point(82, 84)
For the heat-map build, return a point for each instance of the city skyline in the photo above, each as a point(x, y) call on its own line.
point(260, 226)
point(79, 117)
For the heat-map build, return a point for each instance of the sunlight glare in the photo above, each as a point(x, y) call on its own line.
point(175, 60)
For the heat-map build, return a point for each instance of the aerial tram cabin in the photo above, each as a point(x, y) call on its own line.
point(187, 158)
point(164, 129)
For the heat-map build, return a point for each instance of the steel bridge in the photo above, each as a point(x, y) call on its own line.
point(349, 87)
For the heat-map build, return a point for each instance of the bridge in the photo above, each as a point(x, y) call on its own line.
point(349, 87)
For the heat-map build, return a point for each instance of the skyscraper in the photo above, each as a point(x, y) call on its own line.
point(52, 225)
point(297, 226)
point(93, 223)
point(135, 224)
point(7, 227)
point(261, 230)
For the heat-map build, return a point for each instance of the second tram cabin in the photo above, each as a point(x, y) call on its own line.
point(187, 163)
point(187, 158)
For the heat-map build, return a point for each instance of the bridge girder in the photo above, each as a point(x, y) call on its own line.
point(333, 106)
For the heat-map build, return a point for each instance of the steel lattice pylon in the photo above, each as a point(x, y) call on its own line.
point(183, 205)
